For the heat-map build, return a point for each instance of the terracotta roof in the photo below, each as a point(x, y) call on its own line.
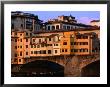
point(95, 21)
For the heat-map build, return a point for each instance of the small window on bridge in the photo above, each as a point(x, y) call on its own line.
point(65, 50)
point(71, 43)
point(21, 53)
point(62, 50)
point(49, 51)
point(26, 53)
point(64, 43)
point(26, 46)
point(21, 40)
point(31, 46)
point(55, 51)
point(15, 40)
point(72, 50)
point(19, 60)
point(15, 47)
point(26, 40)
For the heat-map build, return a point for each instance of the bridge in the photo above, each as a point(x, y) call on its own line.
point(73, 65)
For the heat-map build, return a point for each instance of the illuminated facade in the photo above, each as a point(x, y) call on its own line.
point(61, 36)
point(63, 43)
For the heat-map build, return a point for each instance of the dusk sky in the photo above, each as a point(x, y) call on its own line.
point(81, 16)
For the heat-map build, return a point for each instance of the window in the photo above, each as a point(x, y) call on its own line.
point(81, 50)
point(20, 34)
point(81, 43)
point(31, 52)
point(31, 46)
point(15, 47)
point(71, 43)
point(42, 45)
point(38, 52)
point(53, 27)
point(26, 34)
point(50, 44)
point(26, 46)
point(39, 40)
point(15, 40)
point(75, 50)
point(86, 43)
point(21, 40)
point(85, 37)
point(30, 34)
point(56, 44)
point(44, 51)
point(71, 50)
point(75, 43)
point(34, 46)
point(78, 37)
point(15, 33)
point(48, 27)
point(49, 51)
point(38, 46)
point(34, 52)
point(64, 27)
point(65, 50)
point(21, 53)
point(26, 53)
point(19, 60)
point(15, 55)
point(68, 27)
point(20, 46)
point(21, 25)
point(64, 43)
point(57, 27)
point(86, 50)
point(26, 40)
point(49, 39)
point(55, 51)
point(62, 50)
point(33, 40)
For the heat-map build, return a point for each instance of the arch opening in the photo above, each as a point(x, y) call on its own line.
point(91, 70)
point(40, 68)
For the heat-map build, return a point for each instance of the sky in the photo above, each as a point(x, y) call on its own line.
point(81, 16)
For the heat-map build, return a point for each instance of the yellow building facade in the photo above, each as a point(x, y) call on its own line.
point(25, 46)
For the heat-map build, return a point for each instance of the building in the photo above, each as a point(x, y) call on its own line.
point(25, 46)
point(20, 45)
point(95, 23)
point(30, 38)
point(64, 23)
point(25, 21)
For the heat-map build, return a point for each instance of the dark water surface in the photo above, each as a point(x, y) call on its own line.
point(39, 68)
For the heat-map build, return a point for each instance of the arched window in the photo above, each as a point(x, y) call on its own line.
point(48, 27)
point(57, 27)
point(53, 27)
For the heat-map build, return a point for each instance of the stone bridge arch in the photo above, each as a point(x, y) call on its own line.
point(91, 70)
point(87, 61)
point(56, 59)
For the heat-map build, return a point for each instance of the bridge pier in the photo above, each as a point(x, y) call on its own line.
point(71, 67)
